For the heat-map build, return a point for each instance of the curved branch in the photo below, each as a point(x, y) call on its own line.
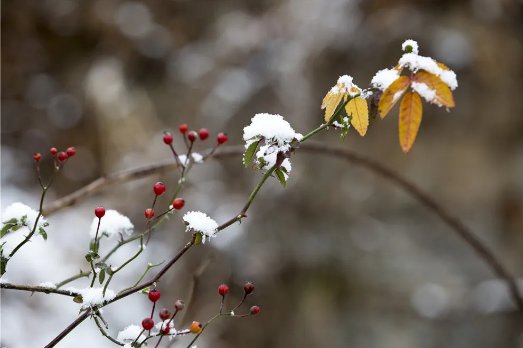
point(452, 221)
point(313, 147)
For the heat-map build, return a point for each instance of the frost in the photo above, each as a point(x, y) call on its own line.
point(163, 324)
point(129, 334)
point(112, 224)
point(415, 62)
point(278, 136)
point(412, 44)
point(384, 78)
point(423, 90)
point(93, 296)
point(25, 214)
point(197, 221)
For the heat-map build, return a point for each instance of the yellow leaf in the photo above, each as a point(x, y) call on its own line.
point(443, 94)
point(330, 103)
point(359, 111)
point(409, 120)
point(392, 94)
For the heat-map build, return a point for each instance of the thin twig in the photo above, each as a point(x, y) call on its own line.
point(38, 288)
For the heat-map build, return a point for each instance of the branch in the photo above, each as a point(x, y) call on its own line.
point(452, 221)
point(44, 289)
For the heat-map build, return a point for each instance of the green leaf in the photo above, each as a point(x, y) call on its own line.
point(280, 176)
point(8, 227)
point(78, 299)
point(249, 153)
point(101, 276)
point(42, 233)
point(88, 257)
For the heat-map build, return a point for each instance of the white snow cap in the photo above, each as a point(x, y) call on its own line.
point(112, 224)
point(271, 127)
point(384, 78)
point(345, 85)
point(415, 63)
point(129, 334)
point(197, 221)
point(94, 296)
point(278, 135)
point(196, 158)
point(413, 45)
point(18, 211)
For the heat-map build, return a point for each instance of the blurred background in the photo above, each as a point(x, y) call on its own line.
point(340, 258)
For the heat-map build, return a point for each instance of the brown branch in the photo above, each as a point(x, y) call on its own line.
point(122, 177)
point(44, 289)
point(452, 221)
point(313, 147)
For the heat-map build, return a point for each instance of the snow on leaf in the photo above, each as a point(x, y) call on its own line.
point(409, 120)
point(392, 94)
point(443, 94)
point(358, 110)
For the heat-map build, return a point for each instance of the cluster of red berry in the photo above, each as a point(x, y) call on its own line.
point(61, 156)
point(165, 314)
point(203, 134)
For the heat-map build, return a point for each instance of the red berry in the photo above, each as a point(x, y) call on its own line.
point(154, 295)
point(99, 212)
point(223, 289)
point(248, 287)
point(147, 323)
point(166, 330)
point(179, 304)
point(192, 136)
point(222, 138)
point(37, 156)
point(203, 133)
point(53, 151)
point(62, 156)
point(183, 128)
point(255, 310)
point(178, 203)
point(159, 188)
point(165, 314)
point(71, 151)
point(149, 213)
point(167, 138)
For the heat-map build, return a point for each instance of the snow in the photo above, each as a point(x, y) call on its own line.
point(18, 211)
point(278, 136)
point(384, 78)
point(112, 224)
point(413, 45)
point(129, 334)
point(93, 296)
point(415, 62)
point(270, 127)
point(345, 85)
point(425, 91)
point(49, 285)
point(197, 221)
point(196, 158)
